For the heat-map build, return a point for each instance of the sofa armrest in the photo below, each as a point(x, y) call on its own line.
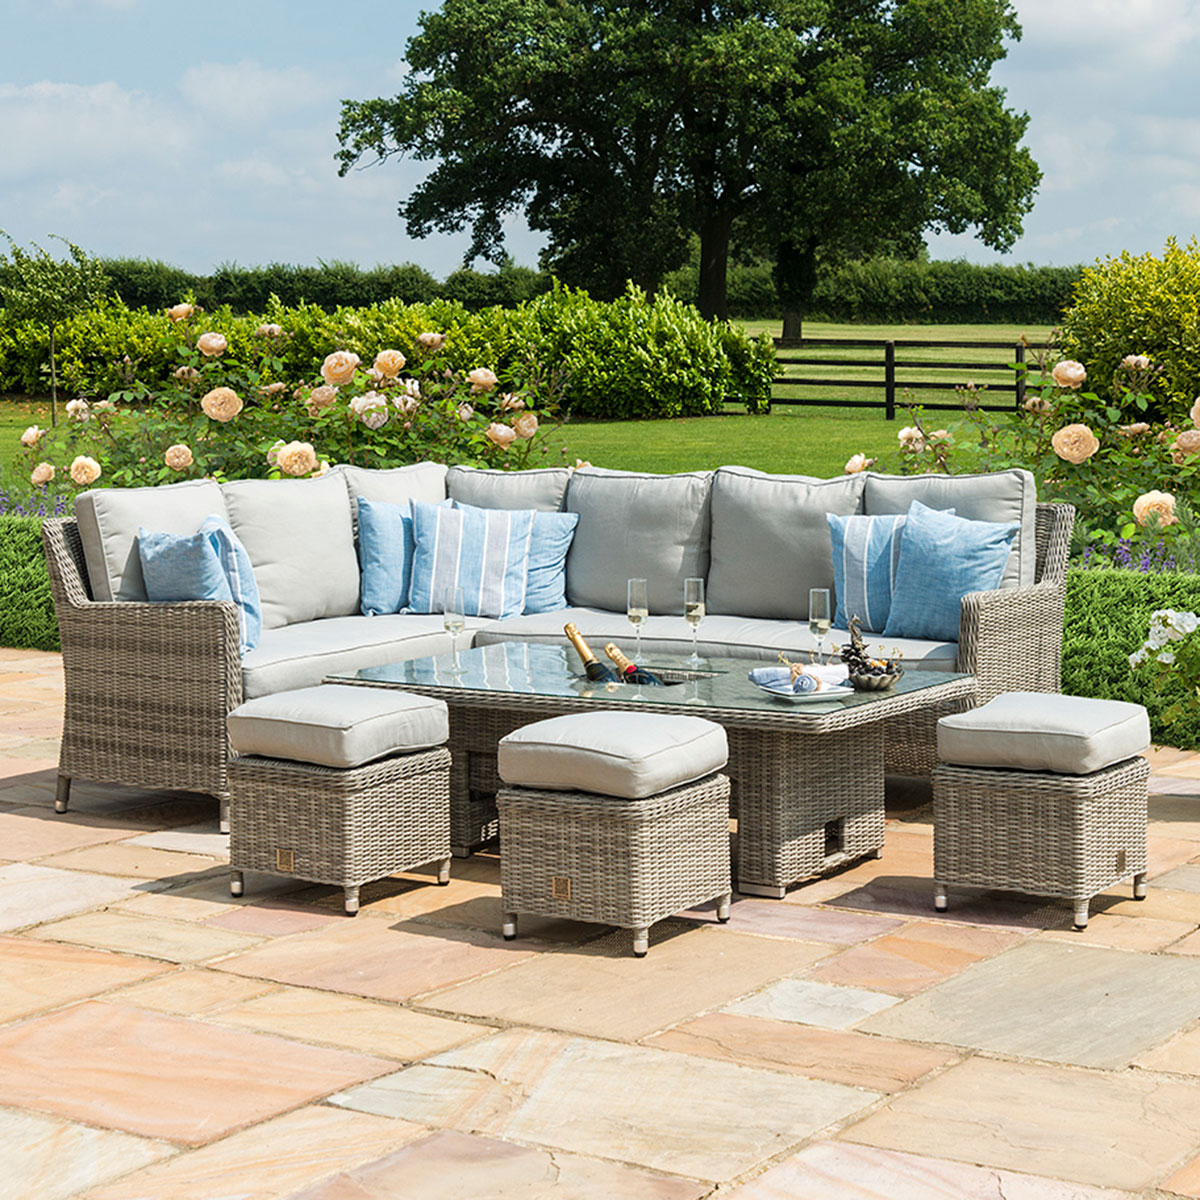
point(1011, 639)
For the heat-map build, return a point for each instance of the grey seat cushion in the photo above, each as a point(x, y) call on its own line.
point(1000, 496)
point(108, 527)
point(631, 526)
point(423, 481)
point(1042, 731)
point(770, 540)
point(338, 725)
point(720, 636)
point(299, 656)
point(624, 754)
point(543, 488)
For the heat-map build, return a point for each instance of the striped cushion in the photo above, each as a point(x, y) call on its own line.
point(235, 562)
point(865, 553)
point(484, 551)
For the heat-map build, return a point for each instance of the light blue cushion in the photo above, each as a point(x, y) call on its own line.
point(239, 575)
point(546, 581)
point(866, 552)
point(943, 558)
point(385, 554)
point(485, 551)
point(179, 566)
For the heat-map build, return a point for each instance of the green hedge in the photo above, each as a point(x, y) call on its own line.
point(26, 610)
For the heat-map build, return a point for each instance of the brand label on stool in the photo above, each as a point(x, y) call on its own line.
point(560, 887)
point(285, 860)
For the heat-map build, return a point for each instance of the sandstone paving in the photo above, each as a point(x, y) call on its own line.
point(272, 919)
point(813, 1003)
point(1164, 854)
point(1122, 933)
point(1091, 1127)
point(912, 896)
point(837, 1171)
point(601, 990)
point(153, 937)
point(1175, 814)
point(1163, 903)
point(773, 919)
point(270, 1161)
point(193, 991)
point(35, 832)
point(672, 1112)
point(1184, 878)
point(203, 837)
point(1179, 1055)
point(160, 1076)
point(838, 1055)
point(478, 1168)
point(1185, 1181)
point(33, 892)
point(138, 862)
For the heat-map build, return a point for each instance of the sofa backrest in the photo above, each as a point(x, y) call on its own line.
point(423, 481)
point(541, 488)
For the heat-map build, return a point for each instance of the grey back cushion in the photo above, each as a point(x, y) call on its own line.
point(300, 538)
point(631, 526)
point(108, 527)
point(544, 488)
point(1001, 496)
point(423, 481)
point(770, 540)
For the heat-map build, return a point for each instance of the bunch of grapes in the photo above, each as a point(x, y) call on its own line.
point(858, 661)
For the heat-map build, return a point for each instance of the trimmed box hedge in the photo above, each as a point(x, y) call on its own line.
point(27, 618)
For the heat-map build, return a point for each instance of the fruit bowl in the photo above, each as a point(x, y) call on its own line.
point(874, 683)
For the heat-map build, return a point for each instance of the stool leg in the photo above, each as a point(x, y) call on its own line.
point(509, 928)
point(723, 903)
point(641, 941)
point(237, 883)
point(939, 896)
point(1139, 886)
point(223, 812)
point(1081, 913)
point(62, 794)
point(351, 900)
point(444, 872)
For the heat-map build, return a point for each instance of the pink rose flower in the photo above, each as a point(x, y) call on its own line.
point(212, 345)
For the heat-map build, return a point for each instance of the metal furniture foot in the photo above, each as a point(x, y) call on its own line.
point(237, 883)
point(351, 901)
point(223, 817)
point(1139, 886)
point(723, 903)
point(62, 794)
point(1081, 913)
point(509, 928)
point(444, 872)
point(641, 941)
point(939, 896)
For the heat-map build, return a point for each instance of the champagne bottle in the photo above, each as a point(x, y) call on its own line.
point(593, 668)
point(631, 672)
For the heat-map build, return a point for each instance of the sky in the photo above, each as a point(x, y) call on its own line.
point(202, 134)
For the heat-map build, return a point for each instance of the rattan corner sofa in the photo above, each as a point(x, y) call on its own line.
point(149, 685)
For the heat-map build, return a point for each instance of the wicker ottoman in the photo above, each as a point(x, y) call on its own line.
point(1044, 794)
point(615, 817)
point(340, 785)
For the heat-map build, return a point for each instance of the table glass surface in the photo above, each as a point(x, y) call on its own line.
point(527, 669)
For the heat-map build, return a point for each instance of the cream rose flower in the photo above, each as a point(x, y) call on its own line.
point(1185, 445)
point(1068, 373)
point(339, 367)
point(526, 425)
point(32, 436)
point(269, 331)
point(502, 435)
point(85, 471)
point(273, 452)
point(432, 342)
point(186, 374)
point(482, 380)
point(297, 458)
point(389, 363)
point(322, 397)
point(178, 457)
point(42, 474)
point(911, 439)
point(371, 409)
point(940, 435)
point(1036, 405)
point(580, 463)
point(856, 463)
point(1134, 429)
point(1194, 413)
point(323, 469)
point(79, 410)
point(1075, 443)
point(1136, 362)
point(1155, 508)
point(511, 403)
point(465, 412)
point(212, 345)
point(180, 312)
point(272, 389)
point(221, 404)
point(104, 406)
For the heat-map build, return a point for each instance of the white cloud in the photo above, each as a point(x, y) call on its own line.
point(248, 92)
point(1128, 33)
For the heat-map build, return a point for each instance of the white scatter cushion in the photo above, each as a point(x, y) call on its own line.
point(1042, 731)
point(336, 725)
point(109, 518)
point(542, 488)
point(299, 534)
point(423, 481)
point(623, 754)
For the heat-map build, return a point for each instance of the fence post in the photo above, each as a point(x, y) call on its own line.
point(1020, 374)
point(889, 379)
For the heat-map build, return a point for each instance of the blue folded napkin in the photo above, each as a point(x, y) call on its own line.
point(780, 678)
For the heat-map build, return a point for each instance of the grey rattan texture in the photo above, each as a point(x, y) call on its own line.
point(627, 863)
point(343, 827)
point(1069, 836)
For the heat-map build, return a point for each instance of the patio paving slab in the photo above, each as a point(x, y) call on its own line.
point(836, 1171)
point(1077, 1125)
point(35, 832)
point(794, 921)
point(913, 897)
point(153, 937)
point(601, 990)
point(139, 862)
point(370, 956)
point(193, 992)
point(270, 1161)
point(272, 920)
point(1185, 1181)
point(691, 1116)
point(1120, 933)
point(32, 892)
point(1175, 808)
point(478, 1168)
point(204, 837)
point(54, 1160)
point(1184, 879)
point(1179, 1055)
point(1089, 1006)
point(840, 1056)
point(130, 1069)
point(813, 1003)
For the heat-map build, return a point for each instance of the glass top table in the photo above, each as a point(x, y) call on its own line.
point(807, 777)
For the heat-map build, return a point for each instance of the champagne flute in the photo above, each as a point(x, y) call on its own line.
point(693, 613)
point(637, 609)
point(454, 621)
point(819, 616)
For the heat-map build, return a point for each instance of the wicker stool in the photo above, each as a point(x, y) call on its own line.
point(614, 817)
point(1043, 794)
point(340, 785)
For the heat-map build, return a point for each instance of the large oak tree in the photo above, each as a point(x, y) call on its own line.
point(622, 127)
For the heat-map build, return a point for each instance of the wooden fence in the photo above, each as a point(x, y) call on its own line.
point(891, 358)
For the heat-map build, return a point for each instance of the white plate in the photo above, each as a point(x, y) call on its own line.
point(826, 693)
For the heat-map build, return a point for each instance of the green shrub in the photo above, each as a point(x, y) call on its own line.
point(26, 610)
point(1108, 613)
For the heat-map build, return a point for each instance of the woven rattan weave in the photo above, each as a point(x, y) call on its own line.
point(343, 827)
point(627, 863)
point(1070, 836)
